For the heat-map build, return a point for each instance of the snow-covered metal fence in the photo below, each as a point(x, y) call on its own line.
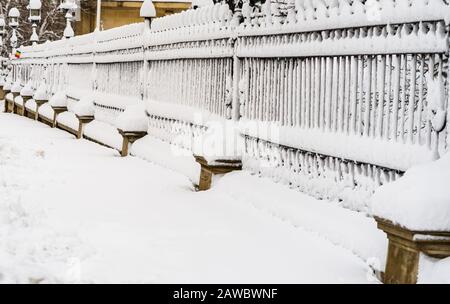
point(335, 99)
point(347, 93)
point(189, 73)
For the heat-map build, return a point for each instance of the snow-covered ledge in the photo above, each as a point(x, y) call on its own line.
point(2, 84)
point(15, 91)
point(414, 212)
point(217, 151)
point(6, 89)
point(132, 125)
point(211, 169)
point(40, 97)
point(58, 102)
point(84, 112)
point(26, 94)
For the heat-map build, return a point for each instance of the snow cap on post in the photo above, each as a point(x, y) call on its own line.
point(68, 5)
point(148, 9)
point(59, 99)
point(35, 10)
point(148, 12)
point(2, 26)
point(35, 4)
point(14, 15)
point(16, 87)
point(201, 3)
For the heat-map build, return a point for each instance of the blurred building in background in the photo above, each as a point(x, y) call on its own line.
point(120, 12)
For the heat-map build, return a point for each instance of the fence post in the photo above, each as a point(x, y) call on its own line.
point(94, 62)
point(447, 107)
point(145, 65)
point(235, 115)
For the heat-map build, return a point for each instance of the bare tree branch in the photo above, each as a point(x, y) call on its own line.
point(51, 27)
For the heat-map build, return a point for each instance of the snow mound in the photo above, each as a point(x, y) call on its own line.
point(168, 156)
point(85, 107)
point(19, 100)
point(7, 86)
point(133, 119)
point(433, 271)
point(16, 87)
point(68, 119)
point(41, 93)
point(46, 111)
point(31, 105)
point(420, 200)
point(220, 141)
point(27, 90)
point(59, 99)
point(104, 133)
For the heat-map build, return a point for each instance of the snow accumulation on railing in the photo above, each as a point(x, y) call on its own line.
point(329, 98)
point(120, 44)
point(205, 23)
point(298, 16)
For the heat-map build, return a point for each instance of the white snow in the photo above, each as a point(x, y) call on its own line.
point(332, 58)
point(104, 133)
point(41, 92)
point(18, 100)
point(59, 99)
point(68, 119)
point(85, 107)
point(9, 96)
point(351, 230)
point(433, 271)
point(31, 105)
point(7, 86)
point(128, 220)
point(46, 111)
point(133, 118)
point(181, 112)
point(308, 16)
point(167, 155)
point(16, 87)
point(420, 200)
point(400, 156)
point(27, 90)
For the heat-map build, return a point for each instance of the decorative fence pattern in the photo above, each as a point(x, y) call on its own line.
point(335, 100)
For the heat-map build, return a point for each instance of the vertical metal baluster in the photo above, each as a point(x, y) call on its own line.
point(387, 109)
point(341, 92)
point(353, 93)
point(396, 79)
point(381, 99)
point(403, 98)
point(419, 138)
point(412, 100)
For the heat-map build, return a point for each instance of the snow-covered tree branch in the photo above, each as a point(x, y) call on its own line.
point(51, 26)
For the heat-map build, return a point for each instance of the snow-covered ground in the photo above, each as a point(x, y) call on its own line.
point(73, 211)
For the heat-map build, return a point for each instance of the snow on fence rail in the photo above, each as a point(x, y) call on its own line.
point(335, 100)
point(350, 87)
